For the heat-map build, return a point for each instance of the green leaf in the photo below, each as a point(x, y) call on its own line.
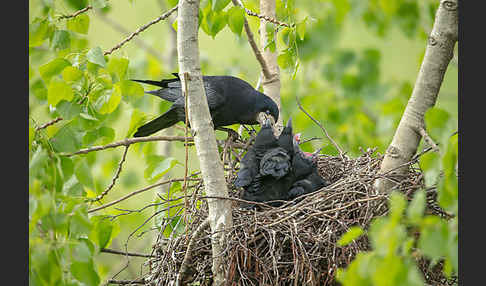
point(284, 60)
point(72, 74)
point(79, 24)
point(398, 204)
point(59, 90)
point(67, 110)
point(430, 164)
point(39, 89)
point(52, 68)
point(106, 134)
point(31, 136)
point(95, 56)
point(172, 3)
point(236, 19)
point(85, 272)
point(83, 174)
point(352, 233)
point(158, 166)
point(80, 225)
point(137, 119)
point(433, 237)
point(81, 252)
point(216, 21)
point(130, 89)
point(104, 229)
point(39, 30)
point(98, 4)
point(301, 29)
point(118, 67)
point(436, 120)
point(219, 5)
point(417, 207)
point(61, 40)
point(66, 139)
point(109, 101)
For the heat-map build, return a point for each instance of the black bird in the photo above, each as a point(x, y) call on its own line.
point(250, 163)
point(285, 172)
point(277, 161)
point(231, 100)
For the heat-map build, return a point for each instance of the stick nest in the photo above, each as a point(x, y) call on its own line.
point(294, 244)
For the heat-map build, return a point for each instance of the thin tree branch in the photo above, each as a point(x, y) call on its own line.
point(428, 139)
point(137, 192)
point(127, 142)
point(125, 282)
point(48, 124)
point(87, 8)
point(141, 29)
point(341, 153)
point(112, 251)
point(138, 41)
point(253, 45)
point(117, 174)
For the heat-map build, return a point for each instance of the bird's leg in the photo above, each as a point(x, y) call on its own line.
point(231, 133)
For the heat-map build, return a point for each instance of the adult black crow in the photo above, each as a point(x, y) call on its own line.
point(231, 100)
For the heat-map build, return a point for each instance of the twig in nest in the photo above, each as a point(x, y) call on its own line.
point(112, 251)
point(341, 153)
point(188, 256)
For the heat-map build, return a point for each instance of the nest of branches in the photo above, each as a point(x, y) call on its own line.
point(294, 244)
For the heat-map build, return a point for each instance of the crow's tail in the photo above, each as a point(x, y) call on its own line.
point(160, 83)
point(165, 120)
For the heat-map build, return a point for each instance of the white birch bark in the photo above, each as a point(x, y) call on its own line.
point(270, 85)
point(220, 215)
point(438, 54)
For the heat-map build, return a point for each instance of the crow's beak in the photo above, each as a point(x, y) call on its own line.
point(289, 122)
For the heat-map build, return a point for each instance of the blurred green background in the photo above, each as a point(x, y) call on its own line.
point(358, 62)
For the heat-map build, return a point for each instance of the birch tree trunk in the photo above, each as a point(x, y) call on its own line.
point(220, 215)
point(438, 54)
point(270, 85)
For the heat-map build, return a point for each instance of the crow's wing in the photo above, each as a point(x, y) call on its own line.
point(215, 95)
point(248, 169)
point(275, 162)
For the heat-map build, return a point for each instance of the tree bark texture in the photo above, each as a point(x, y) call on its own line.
point(438, 54)
point(220, 216)
point(270, 85)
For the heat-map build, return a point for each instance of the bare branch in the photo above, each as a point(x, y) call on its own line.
point(253, 45)
point(48, 124)
point(138, 41)
point(129, 141)
point(428, 139)
point(341, 153)
point(137, 192)
point(117, 174)
point(141, 29)
point(112, 251)
point(89, 7)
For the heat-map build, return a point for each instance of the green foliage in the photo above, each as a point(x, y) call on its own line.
point(391, 242)
point(344, 87)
